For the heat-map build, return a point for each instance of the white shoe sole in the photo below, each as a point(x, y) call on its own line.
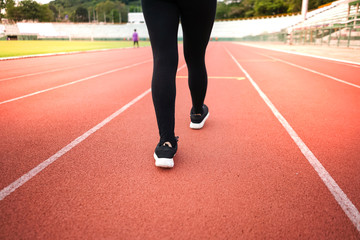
point(199, 125)
point(163, 162)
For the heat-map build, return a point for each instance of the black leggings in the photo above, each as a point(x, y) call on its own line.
point(162, 20)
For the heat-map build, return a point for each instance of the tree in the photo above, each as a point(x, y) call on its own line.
point(294, 6)
point(109, 11)
point(103, 9)
point(81, 14)
point(30, 10)
point(54, 10)
point(12, 12)
point(236, 9)
point(123, 12)
point(46, 15)
point(269, 7)
point(2, 6)
point(222, 11)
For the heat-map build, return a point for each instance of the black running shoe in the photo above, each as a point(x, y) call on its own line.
point(164, 155)
point(197, 120)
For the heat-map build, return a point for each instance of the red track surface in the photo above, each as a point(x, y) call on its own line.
point(241, 177)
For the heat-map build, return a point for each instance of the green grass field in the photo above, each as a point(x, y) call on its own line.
point(22, 48)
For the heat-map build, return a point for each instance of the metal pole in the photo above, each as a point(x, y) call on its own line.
point(322, 35)
point(304, 8)
point(348, 43)
point(356, 14)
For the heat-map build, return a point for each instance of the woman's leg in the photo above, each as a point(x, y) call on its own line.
point(197, 19)
point(162, 20)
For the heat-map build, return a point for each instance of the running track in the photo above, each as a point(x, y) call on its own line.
point(277, 159)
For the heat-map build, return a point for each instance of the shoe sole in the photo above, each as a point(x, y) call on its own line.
point(199, 125)
point(163, 162)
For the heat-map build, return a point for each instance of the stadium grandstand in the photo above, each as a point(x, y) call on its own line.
point(337, 24)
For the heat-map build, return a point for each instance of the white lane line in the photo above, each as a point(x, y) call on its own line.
point(39, 73)
point(348, 207)
point(33, 172)
point(38, 55)
point(60, 53)
point(26, 177)
point(77, 81)
point(310, 70)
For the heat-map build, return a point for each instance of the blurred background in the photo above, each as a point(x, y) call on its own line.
point(312, 22)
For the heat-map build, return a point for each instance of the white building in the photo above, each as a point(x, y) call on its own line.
point(137, 17)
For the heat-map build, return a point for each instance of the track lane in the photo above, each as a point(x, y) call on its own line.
point(36, 128)
point(18, 87)
point(344, 71)
point(348, 207)
point(324, 113)
point(241, 187)
point(35, 64)
point(75, 82)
